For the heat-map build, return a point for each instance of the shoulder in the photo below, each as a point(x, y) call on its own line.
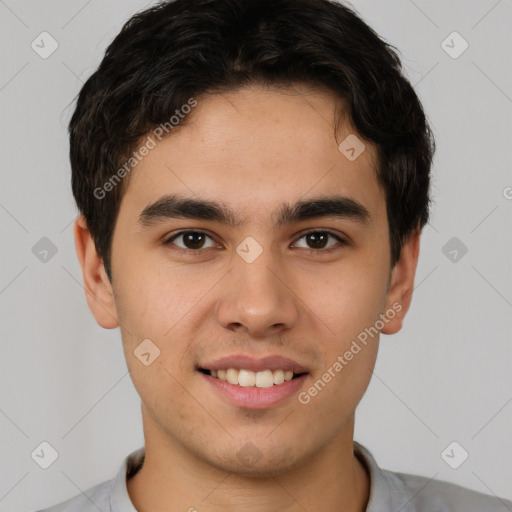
point(427, 495)
point(108, 495)
point(93, 499)
point(391, 491)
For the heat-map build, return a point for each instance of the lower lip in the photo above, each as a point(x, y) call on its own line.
point(252, 397)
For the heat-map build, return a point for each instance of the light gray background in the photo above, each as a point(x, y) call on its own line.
point(447, 376)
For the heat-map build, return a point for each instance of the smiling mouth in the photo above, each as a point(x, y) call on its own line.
point(248, 378)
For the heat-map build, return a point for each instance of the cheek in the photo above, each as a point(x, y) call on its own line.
point(334, 392)
point(346, 298)
point(159, 308)
point(151, 301)
point(170, 406)
point(350, 302)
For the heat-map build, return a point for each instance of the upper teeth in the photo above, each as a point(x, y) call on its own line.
point(248, 378)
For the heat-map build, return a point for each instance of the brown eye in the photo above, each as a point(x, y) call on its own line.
point(191, 240)
point(317, 241)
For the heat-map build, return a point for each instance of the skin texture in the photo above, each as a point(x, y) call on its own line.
point(252, 149)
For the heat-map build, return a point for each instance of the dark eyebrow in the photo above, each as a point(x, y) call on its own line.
point(326, 206)
point(176, 206)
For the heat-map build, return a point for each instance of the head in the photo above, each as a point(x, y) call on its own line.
point(260, 122)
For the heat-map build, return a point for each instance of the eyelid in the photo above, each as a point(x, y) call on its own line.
point(342, 241)
point(170, 238)
point(340, 238)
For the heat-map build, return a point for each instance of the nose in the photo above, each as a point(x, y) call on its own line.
point(259, 299)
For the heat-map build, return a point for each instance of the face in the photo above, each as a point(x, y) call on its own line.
point(301, 286)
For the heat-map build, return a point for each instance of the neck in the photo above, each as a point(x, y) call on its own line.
point(173, 478)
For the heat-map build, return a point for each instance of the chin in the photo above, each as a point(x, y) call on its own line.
point(254, 461)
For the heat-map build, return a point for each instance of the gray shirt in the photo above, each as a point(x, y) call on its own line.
point(389, 492)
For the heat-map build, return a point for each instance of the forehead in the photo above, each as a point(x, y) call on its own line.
point(259, 144)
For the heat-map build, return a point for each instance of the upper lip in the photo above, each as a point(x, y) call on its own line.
point(246, 362)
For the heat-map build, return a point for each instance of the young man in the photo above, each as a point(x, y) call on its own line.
point(253, 178)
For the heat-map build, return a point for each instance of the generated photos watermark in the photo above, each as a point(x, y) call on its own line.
point(158, 134)
point(357, 345)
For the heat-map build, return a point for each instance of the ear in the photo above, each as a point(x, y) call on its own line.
point(402, 283)
point(98, 290)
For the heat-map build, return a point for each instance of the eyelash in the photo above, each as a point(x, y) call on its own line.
point(195, 252)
